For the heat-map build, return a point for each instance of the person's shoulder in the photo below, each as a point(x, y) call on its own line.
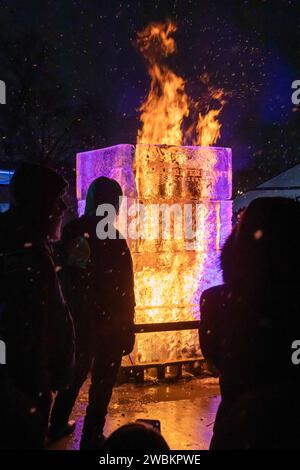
point(214, 291)
point(214, 294)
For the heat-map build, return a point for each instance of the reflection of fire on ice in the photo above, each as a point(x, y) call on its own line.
point(170, 272)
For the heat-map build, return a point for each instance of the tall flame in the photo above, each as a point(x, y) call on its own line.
point(167, 104)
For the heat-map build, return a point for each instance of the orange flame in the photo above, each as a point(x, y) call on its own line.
point(167, 104)
point(208, 128)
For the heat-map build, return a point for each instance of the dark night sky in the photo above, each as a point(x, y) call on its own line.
point(250, 48)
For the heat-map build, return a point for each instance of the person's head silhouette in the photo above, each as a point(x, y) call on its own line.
point(136, 436)
point(103, 190)
point(37, 197)
point(266, 242)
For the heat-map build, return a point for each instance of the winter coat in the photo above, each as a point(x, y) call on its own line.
point(98, 282)
point(35, 323)
point(247, 334)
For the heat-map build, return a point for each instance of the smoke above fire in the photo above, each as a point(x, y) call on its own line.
point(167, 112)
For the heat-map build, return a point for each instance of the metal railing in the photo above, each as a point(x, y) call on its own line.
point(169, 326)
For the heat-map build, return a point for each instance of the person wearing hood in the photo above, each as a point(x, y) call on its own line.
point(98, 281)
point(35, 323)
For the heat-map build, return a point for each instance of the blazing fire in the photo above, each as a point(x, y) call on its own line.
point(167, 275)
point(167, 104)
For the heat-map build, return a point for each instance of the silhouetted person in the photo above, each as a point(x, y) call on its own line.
point(139, 437)
point(98, 280)
point(248, 324)
point(35, 323)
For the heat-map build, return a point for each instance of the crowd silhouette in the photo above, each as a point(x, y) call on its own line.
point(67, 308)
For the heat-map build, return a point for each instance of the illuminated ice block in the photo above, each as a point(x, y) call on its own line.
point(193, 185)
